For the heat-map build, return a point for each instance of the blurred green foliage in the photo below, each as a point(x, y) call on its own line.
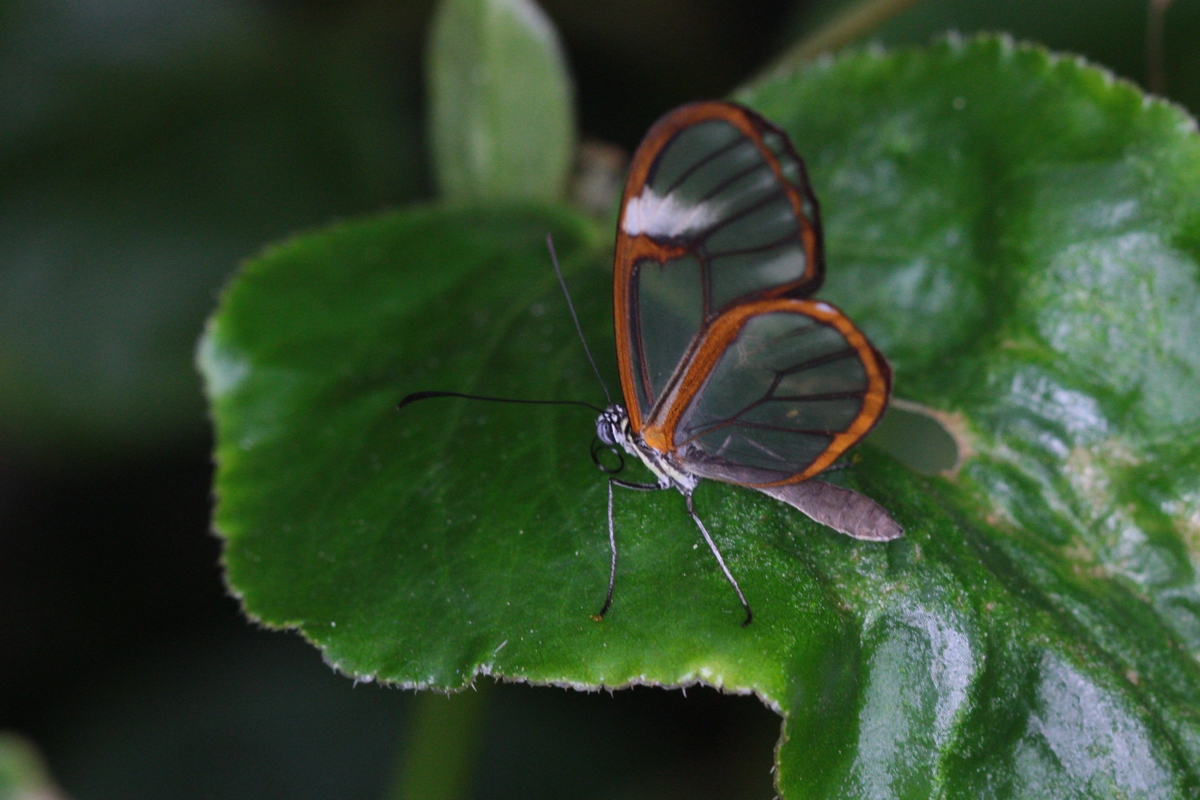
point(493, 137)
point(23, 771)
point(145, 149)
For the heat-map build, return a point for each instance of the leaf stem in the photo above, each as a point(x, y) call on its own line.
point(846, 27)
point(438, 754)
point(1156, 75)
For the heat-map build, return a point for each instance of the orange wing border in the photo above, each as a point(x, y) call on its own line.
point(660, 433)
point(631, 249)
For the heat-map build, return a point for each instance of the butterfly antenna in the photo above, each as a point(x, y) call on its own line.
point(415, 396)
point(574, 316)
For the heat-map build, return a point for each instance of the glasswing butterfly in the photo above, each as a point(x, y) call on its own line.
point(728, 369)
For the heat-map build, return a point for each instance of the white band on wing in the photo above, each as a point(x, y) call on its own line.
point(665, 216)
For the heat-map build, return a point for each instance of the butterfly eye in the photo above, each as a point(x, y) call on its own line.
point(606, 431)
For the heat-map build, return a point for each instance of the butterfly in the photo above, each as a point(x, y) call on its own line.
point(729, 370)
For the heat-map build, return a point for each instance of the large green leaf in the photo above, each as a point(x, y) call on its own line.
point(1113, 32)
point(1017, 231)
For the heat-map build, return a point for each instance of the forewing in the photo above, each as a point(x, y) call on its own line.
point(717, 212)
point(776, 391)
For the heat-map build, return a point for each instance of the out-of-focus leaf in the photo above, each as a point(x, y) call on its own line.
point(1110, 32)
point(501, 123)
point(144, 150)
point(22, 771)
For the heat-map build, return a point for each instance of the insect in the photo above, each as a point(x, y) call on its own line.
point(729, 371)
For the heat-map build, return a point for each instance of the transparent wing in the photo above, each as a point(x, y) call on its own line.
point(776, 391)
point(717, 212)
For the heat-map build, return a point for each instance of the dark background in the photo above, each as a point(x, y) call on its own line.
point(146, 147)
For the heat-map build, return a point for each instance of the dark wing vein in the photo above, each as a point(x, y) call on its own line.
point(819, 361)
point(758, 248)
point(763, 426)
point(687, 173)
point(703, 236)
point(736, 418)
point(734, 178)
point(849, 394)
point(635, 333)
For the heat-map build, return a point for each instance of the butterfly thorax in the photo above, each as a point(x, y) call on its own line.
point(613, 428)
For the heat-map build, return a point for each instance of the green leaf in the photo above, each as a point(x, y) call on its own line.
point(1019, 233)
point(501, 123)
point(1115, 34)
point(23, 774)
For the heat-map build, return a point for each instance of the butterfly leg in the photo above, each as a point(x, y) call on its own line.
point(712, 546)
point(612, 537)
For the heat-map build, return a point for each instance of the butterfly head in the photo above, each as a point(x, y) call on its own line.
point(612, 426)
